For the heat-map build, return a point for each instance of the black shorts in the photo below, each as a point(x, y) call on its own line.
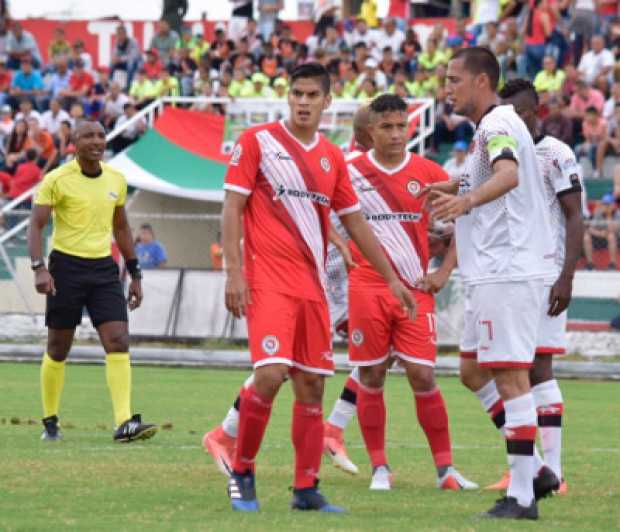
point(90, 283)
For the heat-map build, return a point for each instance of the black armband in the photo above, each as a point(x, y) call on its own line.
point(133, 267)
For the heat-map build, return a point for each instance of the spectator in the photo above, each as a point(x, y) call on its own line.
point(26, 111)
point(372, 72)
point(79, 53)
point(550, 78)
point(268, 11)
point(201, 48)
point(152, 66)
point(151, 253)
point(584, 97)
point(27, 83)
point(242, 12)
point(240, 84)
point(66, 149)
point(490, 37)
point(167, 85)
point(368, 90)
point(59, 46)
point(260, 87)
point(359, 34)
point(27, 175)
point(280, 88)
point(368, 12)
point(217, 253)
point(43, 142)
point(20, 45)
point(389, 36)
point(95, 100)
point(451, 127)
point(557, 124)
point(456, 165)
point(594, 130)
point(6, 124)
point(126, 57)
point(610, 143)
point(114, 104)
point(18, 143)
point(331, 43)
point(432, 57)
point(6, 77)
point(164, 41)
point(80, 84)
point(53, 117)
point(596, 63)
point(131, 133)
point(76, 112)
point(538, 29)
point(58, 82)
point(602, 232)
point(612, 102)
point(583, 25)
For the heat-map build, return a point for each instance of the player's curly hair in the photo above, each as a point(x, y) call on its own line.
point(517, 86)
point(387, 103)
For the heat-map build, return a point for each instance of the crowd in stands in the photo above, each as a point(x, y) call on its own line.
point(568, 48)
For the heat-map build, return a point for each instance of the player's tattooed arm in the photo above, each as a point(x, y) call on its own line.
point(362, 234)
point(237, 296)
point(39, 218)
point(342, 246)
point(561, 291)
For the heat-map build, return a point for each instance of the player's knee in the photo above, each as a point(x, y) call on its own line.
point(422, 378)
point(372, 376)
point(468, 378)
point(268, 379)
point(117, 342)
point(512, 383)
point(542, 370)
point(58, 348)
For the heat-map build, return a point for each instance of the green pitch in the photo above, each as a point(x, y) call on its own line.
point(88, 483)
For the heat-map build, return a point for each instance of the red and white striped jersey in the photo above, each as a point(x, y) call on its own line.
point(391, 202)
point(291, 187)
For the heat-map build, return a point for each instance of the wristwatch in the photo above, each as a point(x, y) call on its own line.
point(36, 264)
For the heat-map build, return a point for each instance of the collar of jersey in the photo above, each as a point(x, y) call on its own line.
point(486, 113)
point(306, 147)
point(389, 171)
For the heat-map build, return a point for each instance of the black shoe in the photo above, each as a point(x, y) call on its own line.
point(509, 508)
point(545, 483)
point(242, 492)
point(133, 429)
point(313, 499)
point(51, 432)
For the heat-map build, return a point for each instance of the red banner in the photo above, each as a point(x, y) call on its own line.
point(99, 35)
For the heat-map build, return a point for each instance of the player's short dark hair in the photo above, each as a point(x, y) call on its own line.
point(519, 86)
point(388, 103)
point(480, 60)
point(312, 70)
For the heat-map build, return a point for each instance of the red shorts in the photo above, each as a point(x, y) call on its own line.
point(284, 329)
point(378, 328)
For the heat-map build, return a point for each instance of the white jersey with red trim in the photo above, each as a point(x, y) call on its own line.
point(509, 238)
point(391, 203)
point(291, 189)
point(562, 175)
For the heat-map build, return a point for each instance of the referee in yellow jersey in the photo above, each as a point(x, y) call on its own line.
point(86, 198)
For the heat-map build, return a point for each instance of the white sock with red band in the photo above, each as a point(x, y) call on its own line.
point(550, 407)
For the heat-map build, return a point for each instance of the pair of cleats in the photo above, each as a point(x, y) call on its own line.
point(451, 480)
point(242, 494)
point(131, 430)
point(545, 484)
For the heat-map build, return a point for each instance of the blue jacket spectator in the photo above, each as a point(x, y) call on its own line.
point(151, 253)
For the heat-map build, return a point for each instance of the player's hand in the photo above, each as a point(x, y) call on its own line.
point(560, 296)
point(433, 282)
point(44, 282)
point(446, 207)
point(237, 294)
point(345, 251)
point(405, 297)
point(134, 297)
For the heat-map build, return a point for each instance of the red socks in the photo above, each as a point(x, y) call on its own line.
point(307, 434)
point(254, 413)
point(433, 419)
point(371, 415)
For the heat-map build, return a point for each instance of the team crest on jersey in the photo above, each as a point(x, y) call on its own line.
point(236, 155)
point(414, 187)
point(357, 337)
point(325, 164)
point(270, 344)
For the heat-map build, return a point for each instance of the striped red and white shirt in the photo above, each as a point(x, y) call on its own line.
point(391, 202)
point(291, 187)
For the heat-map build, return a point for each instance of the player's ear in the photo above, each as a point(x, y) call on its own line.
point(327, 102)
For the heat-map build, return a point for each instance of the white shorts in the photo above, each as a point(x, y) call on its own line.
point(502, 322)
point(551, 338)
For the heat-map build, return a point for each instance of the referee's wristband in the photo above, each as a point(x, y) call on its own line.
point(133, 267)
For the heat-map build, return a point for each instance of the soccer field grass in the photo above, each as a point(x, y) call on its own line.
point(168, 483)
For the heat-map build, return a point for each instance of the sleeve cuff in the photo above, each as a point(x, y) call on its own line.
point(575, 188)
point(506, 157)
point(349, 210)
point(237, 188)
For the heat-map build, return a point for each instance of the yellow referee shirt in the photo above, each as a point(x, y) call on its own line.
point(83, 208)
